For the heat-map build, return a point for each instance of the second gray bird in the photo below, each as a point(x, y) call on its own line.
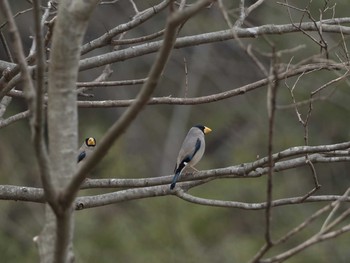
point(191, 151)
point(86, 148)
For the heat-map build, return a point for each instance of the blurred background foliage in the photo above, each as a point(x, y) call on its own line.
point(167, 229)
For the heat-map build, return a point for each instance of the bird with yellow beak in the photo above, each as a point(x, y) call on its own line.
point(191, 151)
point(86, 148)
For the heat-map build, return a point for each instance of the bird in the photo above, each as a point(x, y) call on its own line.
point(191, 151)
point(86, 148)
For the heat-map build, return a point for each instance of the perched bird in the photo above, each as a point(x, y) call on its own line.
point(86, 148)
point(191, 151)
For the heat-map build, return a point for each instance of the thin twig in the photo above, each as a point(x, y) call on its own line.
point(271, 110)
point(106, 73)
point(329, 83)
point(93, 84)
point(17, 14)
point(6, 47)
point(186, 77)
point(316, 238)
point(311, 241)
point(138, 40)
point(335, 208)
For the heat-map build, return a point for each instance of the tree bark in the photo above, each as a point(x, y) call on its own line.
point(55, 241)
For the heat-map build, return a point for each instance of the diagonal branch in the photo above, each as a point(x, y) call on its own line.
point(137, 20)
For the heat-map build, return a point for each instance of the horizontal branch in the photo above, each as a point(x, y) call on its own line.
point(22, 193)
point(218, 96)
point(206, 38)
point(203, 99)
point(111, 83)
point(85, 202)
point(159, 186)
point(256, 206)
point(330, 26)
point(32, 194)
point(253, 169)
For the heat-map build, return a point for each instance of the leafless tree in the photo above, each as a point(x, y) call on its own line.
point(47, 79)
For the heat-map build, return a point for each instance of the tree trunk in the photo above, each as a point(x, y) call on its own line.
point(55, 241)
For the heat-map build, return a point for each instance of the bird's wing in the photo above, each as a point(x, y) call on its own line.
point(81, 156)
point(188, 150)
point(198, 145)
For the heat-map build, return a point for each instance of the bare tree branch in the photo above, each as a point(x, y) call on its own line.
point(137, 20)
point(246, 170)
point(94, 84)
point(18, 54)
point(14, 118)
point(206, 38)
point(313, 240)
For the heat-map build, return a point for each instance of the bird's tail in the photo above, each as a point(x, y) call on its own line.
point(177, 174)
point(173, 183)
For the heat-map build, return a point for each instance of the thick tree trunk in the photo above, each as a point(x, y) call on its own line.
point(55, 241)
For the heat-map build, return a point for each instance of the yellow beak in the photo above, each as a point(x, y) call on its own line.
point(206, 130)
point(91, 142)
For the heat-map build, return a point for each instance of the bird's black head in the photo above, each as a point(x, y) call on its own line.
point(203, 128)
point(90, 142)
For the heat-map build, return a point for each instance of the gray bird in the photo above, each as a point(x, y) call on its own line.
point(191, 151)
point(86, 148)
